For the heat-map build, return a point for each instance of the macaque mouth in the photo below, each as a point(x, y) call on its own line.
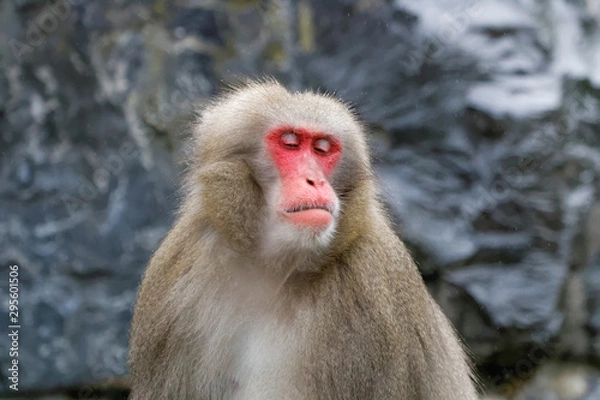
point(305, 207)
point(316, 217)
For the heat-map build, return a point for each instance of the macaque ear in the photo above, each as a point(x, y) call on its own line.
point(233, 202)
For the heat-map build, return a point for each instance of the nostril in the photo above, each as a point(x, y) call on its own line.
point(310, 182)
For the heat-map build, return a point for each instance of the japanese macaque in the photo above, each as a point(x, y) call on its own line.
point(282, 277)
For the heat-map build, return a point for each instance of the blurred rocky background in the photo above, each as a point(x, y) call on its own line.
point(485, 120)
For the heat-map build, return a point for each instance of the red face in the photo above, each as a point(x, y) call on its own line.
point(305, 160)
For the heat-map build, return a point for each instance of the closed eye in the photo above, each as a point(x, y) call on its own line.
point(290, 140)
point(322, 146)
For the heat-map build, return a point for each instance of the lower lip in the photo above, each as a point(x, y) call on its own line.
point(315, 218)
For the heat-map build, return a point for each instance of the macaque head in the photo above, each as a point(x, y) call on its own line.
point(303, 155)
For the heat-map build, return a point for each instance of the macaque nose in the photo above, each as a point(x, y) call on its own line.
point(315, 182)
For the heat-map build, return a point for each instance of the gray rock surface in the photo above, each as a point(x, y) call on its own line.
point(484, 116)
point(563, 382)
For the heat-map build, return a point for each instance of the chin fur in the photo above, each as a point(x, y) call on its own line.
point(288, 246)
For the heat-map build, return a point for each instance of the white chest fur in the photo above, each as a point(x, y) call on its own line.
point(264, 361)
point(251, 349)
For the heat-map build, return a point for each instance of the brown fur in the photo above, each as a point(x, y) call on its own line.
point(215, 319)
